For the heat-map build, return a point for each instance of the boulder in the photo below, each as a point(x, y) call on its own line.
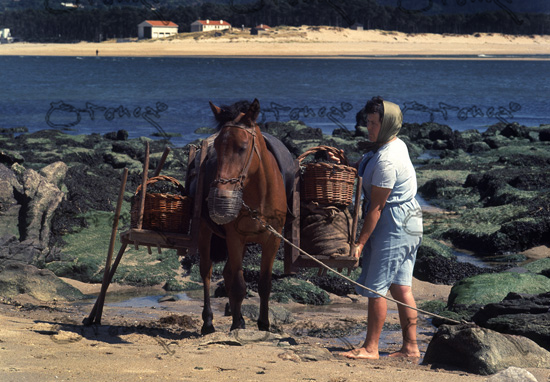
point(10, 191)
point(512, 374)
point(482, 351)
point(18, 278)
point(524, 315)
point(492, 288)
point(39, 199)
point(26, 252)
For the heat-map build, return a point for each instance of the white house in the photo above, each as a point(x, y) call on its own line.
point(209, 25)
point(157, 29)
point(5, 36)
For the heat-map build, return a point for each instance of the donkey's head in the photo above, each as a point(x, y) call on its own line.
point(235, 146)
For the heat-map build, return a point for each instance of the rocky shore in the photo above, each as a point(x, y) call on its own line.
point(58, 194)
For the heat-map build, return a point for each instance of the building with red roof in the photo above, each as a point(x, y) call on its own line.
point(157, 29)
point(209, 25)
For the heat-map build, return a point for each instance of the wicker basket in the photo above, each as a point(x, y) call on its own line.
point(327, 183)
point(163, 212)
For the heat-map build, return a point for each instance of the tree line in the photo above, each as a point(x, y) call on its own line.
point(98, 20)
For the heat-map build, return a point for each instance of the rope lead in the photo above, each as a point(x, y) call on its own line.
point(255, 215)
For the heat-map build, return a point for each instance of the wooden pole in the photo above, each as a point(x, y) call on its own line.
point(101, 298)
point(143, 187)
point(356, 214)
point(162, 161)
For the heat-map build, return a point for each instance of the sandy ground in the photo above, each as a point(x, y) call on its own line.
point(46, 342)
point(301, 42)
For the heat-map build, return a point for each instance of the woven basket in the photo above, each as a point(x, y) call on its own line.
point(327, 183)
point(163, 212)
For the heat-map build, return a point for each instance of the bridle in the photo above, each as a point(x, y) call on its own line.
point(240, 179)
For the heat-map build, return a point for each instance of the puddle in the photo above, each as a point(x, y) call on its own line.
point(146, 301)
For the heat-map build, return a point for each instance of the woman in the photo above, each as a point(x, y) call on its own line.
point(392, 229)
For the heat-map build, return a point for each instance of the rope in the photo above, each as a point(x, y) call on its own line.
point(255, 215)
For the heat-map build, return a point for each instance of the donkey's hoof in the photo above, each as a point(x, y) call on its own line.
point(263, 326)
point(207, 329)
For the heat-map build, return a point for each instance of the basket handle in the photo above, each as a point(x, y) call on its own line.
point(336, 152)
point(159, 178)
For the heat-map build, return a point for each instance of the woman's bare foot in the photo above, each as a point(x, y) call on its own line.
point(360, 353)
point(405, 354)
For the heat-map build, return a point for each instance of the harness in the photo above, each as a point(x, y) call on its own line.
point(244, 172)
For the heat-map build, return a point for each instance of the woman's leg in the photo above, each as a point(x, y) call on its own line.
point(408, 319)
point(375, 321)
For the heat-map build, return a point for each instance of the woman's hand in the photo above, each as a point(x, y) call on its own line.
point(333, 157)
point(357, 250)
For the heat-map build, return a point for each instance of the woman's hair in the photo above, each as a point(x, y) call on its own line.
point(375, 105)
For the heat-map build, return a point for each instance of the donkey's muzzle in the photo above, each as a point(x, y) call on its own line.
point(224, 205)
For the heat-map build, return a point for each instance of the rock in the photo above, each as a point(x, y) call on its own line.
point(544, 135)
point(9, 157)
point(478, 147)
point(239, 337)
point(512, 374)
point(38, 200)
point(120, 135)
point(492, 288)
point(538, 266)
point(10, 191)
point(26, 252)
point(55, 173)
point(482, 351)
point(515, 130)
point(277, 314)
point(524, 315)
point(17, 278)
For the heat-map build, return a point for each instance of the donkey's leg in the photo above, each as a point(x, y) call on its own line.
point(234, 279)
point(206, 273)
point(269, 251)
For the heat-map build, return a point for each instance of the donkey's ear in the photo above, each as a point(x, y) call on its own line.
point(216, 110)
point(253, 111)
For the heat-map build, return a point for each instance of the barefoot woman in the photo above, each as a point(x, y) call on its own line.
point(392, 229)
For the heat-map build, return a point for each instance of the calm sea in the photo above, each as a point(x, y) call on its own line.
point(83, 95)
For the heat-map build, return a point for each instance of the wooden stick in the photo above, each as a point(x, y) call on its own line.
point(143, 187)
point(106, 281)
point(94, 317)
point(162, 161)
point(356, 214)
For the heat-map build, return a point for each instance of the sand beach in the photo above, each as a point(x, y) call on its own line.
point(305, 42)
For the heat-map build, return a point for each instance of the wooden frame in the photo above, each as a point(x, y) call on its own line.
point(293, 259)
point(187, 243)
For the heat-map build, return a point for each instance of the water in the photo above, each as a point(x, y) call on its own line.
point(86, 95)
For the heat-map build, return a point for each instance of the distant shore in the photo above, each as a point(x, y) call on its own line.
point(306, 42)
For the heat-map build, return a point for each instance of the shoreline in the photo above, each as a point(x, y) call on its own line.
point(306, 42)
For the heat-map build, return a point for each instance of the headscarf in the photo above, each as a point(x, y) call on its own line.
point(391, 124)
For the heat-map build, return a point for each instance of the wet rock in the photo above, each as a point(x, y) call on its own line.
point(478, 147)
point(277, 314)
point(492, 288)
point(544, 135)
point(303, 292)
point(120, 135)
point(512, 374)
point(18, 278)
point(524, 315)
point(515, 130)
point(8, 157)
point(482, 351)
point(239, 337)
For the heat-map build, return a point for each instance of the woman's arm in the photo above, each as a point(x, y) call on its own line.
point(378, 199)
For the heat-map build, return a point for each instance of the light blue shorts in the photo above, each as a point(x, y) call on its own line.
point(390, 253)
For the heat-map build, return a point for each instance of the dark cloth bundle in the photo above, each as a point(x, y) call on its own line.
point(325, 230)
